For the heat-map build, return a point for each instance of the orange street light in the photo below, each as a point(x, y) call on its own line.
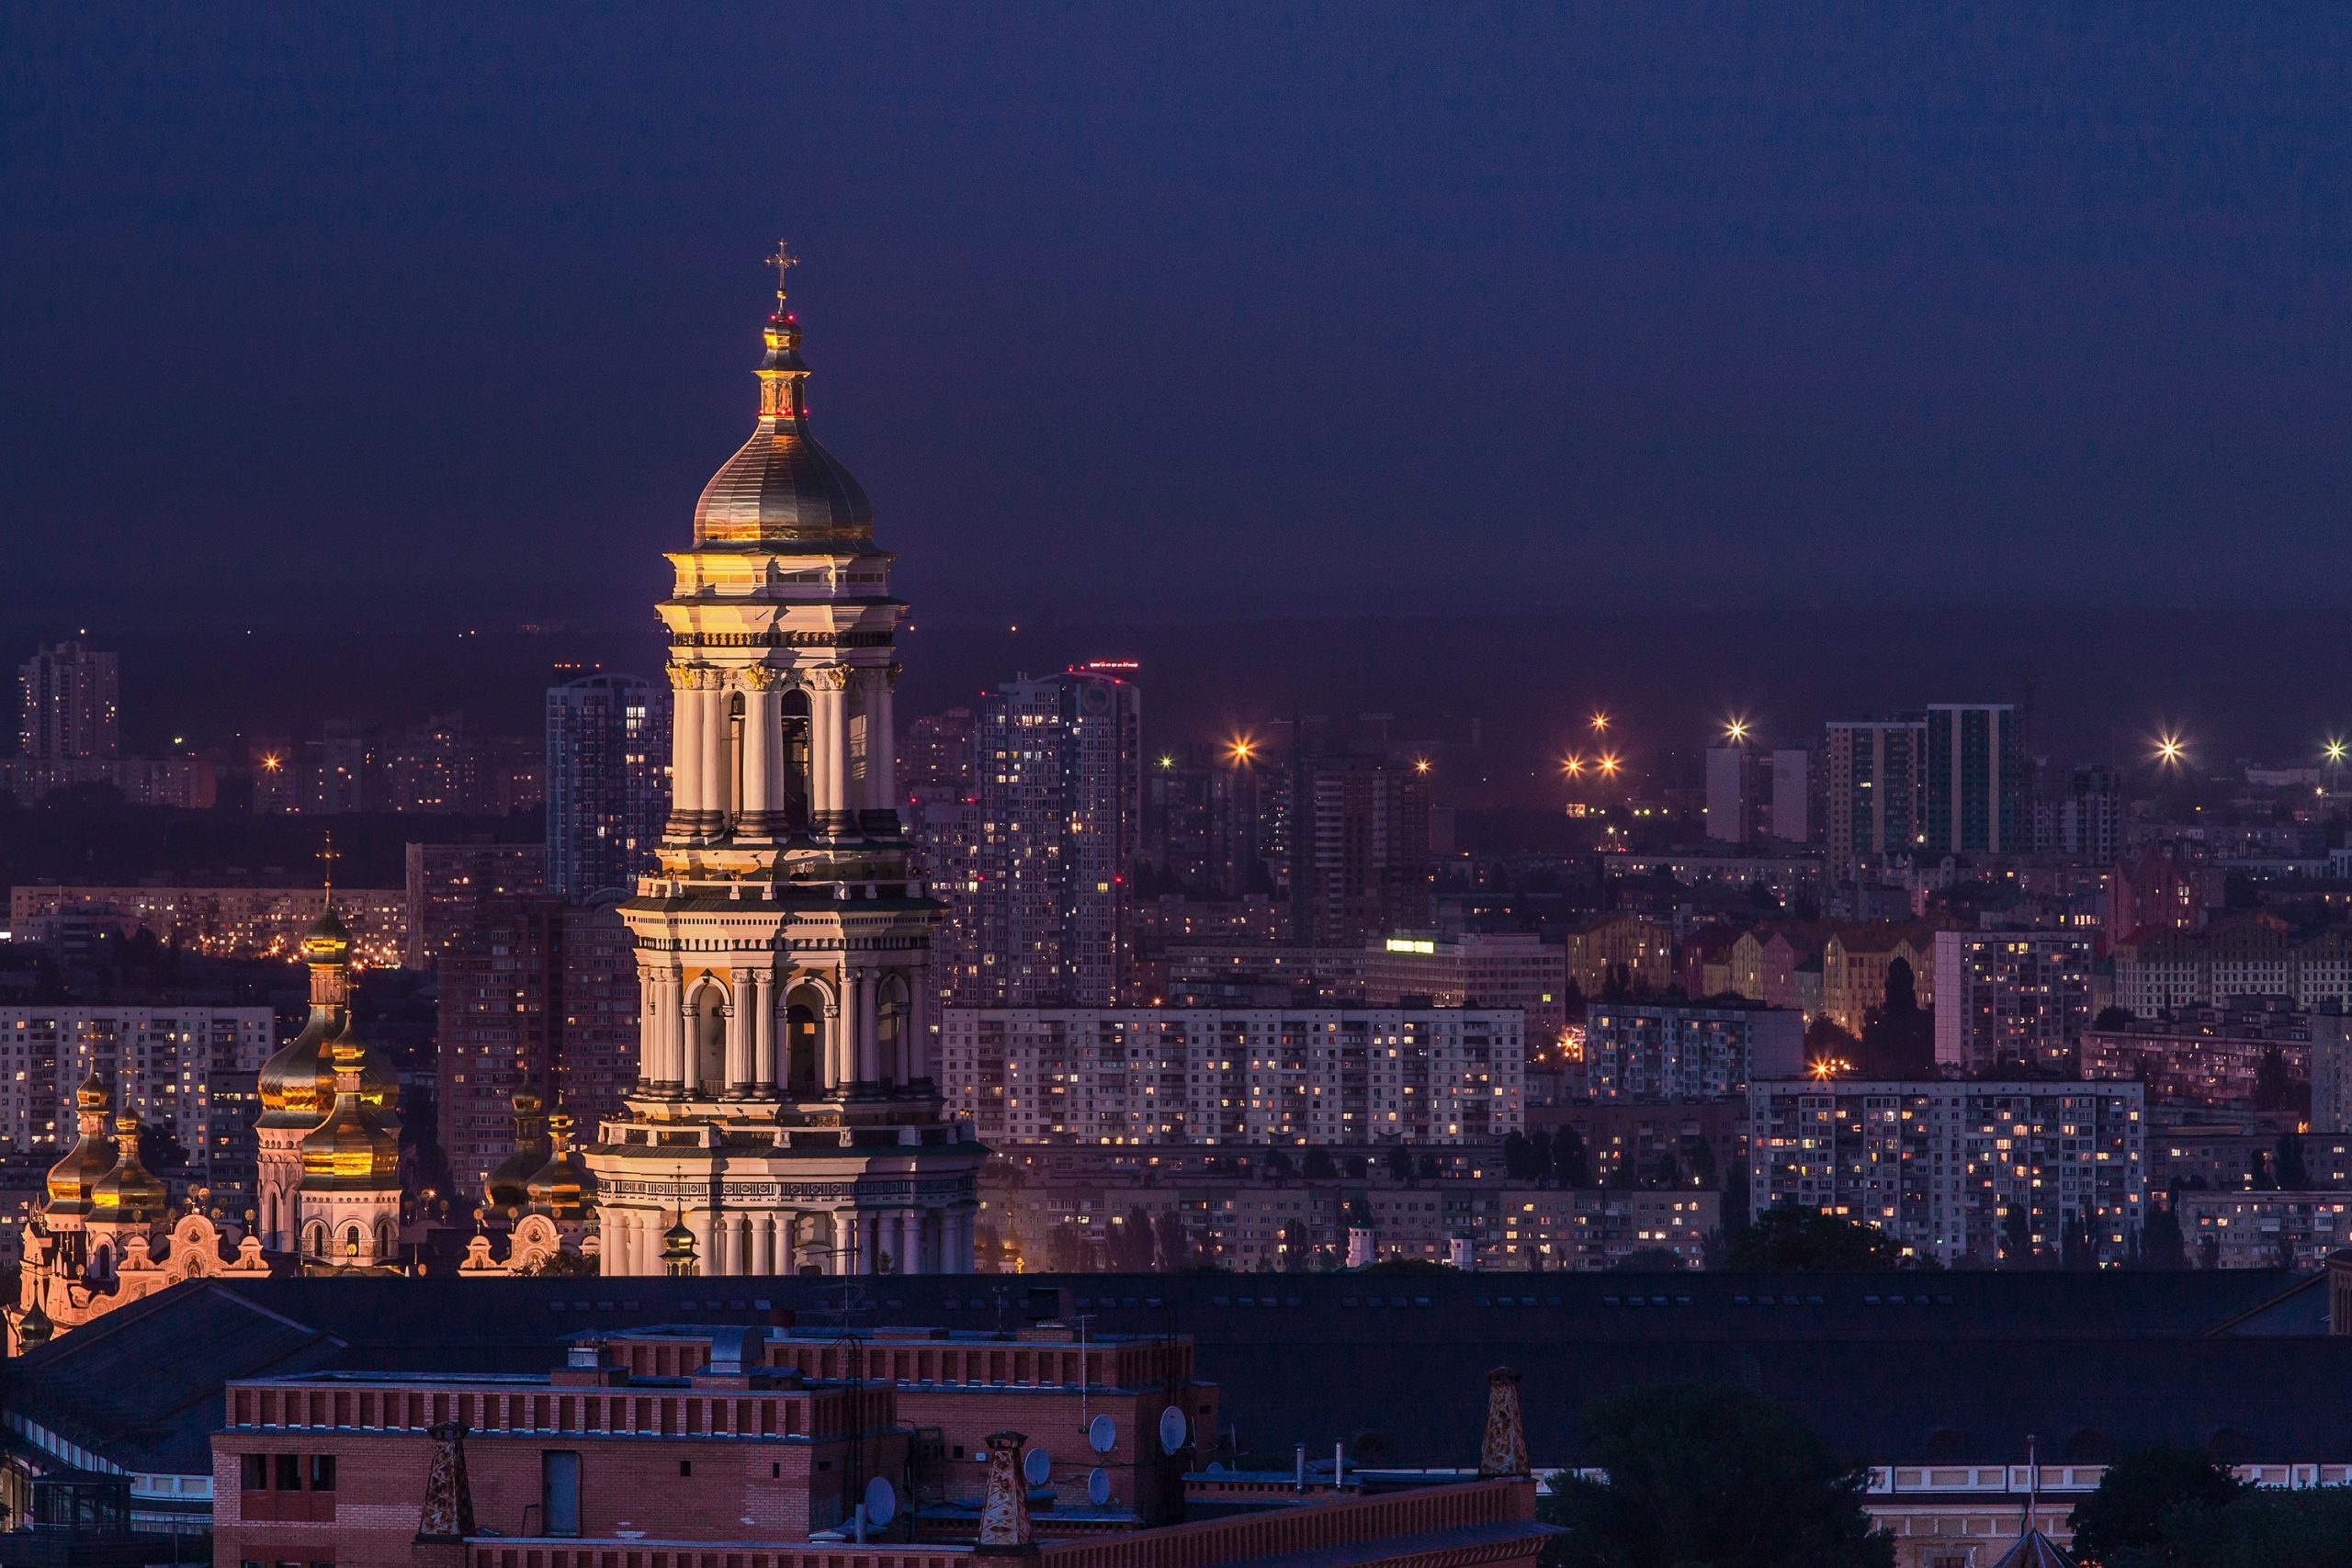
point(1609, 764)
point(1735, 730)
point(1420, 764)
point(1600, 722)
point(1572, 765)
point(2168, 750)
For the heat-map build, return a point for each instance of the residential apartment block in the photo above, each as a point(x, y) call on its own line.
point(1659, 1051)
point(1939, 1165)
point(1235, 1076)
point(2011, 995)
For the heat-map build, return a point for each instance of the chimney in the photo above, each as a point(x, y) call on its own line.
point(1005, 1513)
point(1461, 1252)
point(1360, 1253)
point(1504, 1451)
point(448, 1516)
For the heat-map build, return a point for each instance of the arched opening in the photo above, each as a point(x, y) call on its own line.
point(386, 1243)
point(793, 709)
point(709, 1028)
point(807, 1233)
point(314, 1239)
point(735, 797)
point(353, 1243)
point(803, 1042)
point(890, 1029)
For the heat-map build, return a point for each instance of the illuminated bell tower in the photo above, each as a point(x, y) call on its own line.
point(785, 1116)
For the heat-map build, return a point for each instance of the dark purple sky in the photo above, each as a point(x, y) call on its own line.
point(397, 314)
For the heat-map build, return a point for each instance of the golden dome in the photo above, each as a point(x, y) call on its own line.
point(128, 1192)
point(357, 1146)
point(782, 484)
point(328, 940)
point(92, 1156)
point(559, 1188)
point(508, 1186)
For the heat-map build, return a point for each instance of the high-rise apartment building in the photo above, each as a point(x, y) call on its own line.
point(537, 994)
point(1202, 823)
point(1975, 779)
point(167, 1065)
point(1360, 850)
point(1323, 1076)
point(1060, 800)
point(2086, 822)
point(607, 782)
point(449, 885)
point(1940, 1167)
point(1795, 788)
point(941, 751)
point(1666, 1051)
point(1876, 791)
point(2011, 997)
point(1731, 792)
point(69, 703)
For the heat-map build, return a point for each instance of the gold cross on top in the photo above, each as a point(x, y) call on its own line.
point(327, 857)
point(783, 261)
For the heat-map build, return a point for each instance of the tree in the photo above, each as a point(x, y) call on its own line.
point(2141, 1492)
point(1518, 1157)
point(2017, 1237)
point(1320, 1166)
point(1616, 985)
point(1701, 1153)
point(1296, 1246)
point(1279, 1167)
point(1899, 1038)
point(1793, 1237)
point(2113, 1018)
point(1569, 1160)
point(2077, 1245)
point(1708, 1475)
point(1400, 1163)
point(2273, 1088)
point(2294, 1176)
point(2161, 1246)
point(1648, 1260)
point(1540, 1157)
point(1132, 1248)
point(2260, 1529)
point(1175, 1247)
point(1431, 1170)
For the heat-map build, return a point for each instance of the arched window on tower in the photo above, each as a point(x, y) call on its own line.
point(710, 1037)
point(890, 1029)
point(794, 709)
point(352, 1239)
point(803, 1042)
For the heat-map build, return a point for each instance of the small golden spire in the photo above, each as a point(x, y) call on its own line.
point(783, 261)
point(327, 857)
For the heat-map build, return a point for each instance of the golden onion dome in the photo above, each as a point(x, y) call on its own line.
point(559, 1188)
point(357, 1145)
point(130, 1193)
point(782, 484)
point(92, 1156)
point(296, 1084)
point(327, 941)
point(508, 1186)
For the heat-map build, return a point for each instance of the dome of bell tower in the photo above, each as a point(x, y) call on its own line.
point(782, 485)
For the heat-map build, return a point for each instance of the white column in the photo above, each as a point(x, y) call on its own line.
point(740, 1025)
point(762, 1244)
point(685, 748)
point(665, 1027)
point(689, 1042)
point(762, 753)
point(915, 1029)
point(649, 1019)
point(764, 1078)
point(717, 756)
point(844, 1259)
point(869, 1044)
point(828, 1052)
point(881, 743)
point(830, 762)
point(959, 1261)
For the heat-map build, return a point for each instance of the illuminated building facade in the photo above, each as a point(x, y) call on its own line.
point(224, 922)
point(1323, 1076)
point(69, 704)
point(2021, 996)
point(1976, 778)
point(607, 782)
point(1940, 1166)
point(1876, 793)
point(784, 1117)
point(1662, 1051)
point(449, 886)
point(1061, 797)
point(164, 1062)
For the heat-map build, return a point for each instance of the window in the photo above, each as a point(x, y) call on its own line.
point(289, 1472)
point(685, 1467)
point(256, 1478)
point(322, 1473)
point(560, 1490)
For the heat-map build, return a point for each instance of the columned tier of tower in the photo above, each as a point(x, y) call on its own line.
point(781, 660)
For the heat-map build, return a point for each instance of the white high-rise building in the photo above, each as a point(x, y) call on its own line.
point(783, 1119)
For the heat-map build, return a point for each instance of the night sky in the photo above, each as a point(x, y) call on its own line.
point(1178, 314)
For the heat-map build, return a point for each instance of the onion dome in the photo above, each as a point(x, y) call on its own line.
point(559, 1188)
point(678, 1250)
point(92, 1156)
point(33, 1329)
point(129, 1193)
point(357, 1146)
point(782, 484)
point(507, 1187)
point(297, 1084)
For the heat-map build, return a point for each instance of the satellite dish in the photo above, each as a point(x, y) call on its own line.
point(1098, 1487)
point(881, 1502)
point(1101, 1433)
point(1037, 1467)
point(1171, 1430)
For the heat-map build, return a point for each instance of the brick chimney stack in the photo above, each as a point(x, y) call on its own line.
point(1004, 1511)
point(1504, 1451)
point(448, 1516)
